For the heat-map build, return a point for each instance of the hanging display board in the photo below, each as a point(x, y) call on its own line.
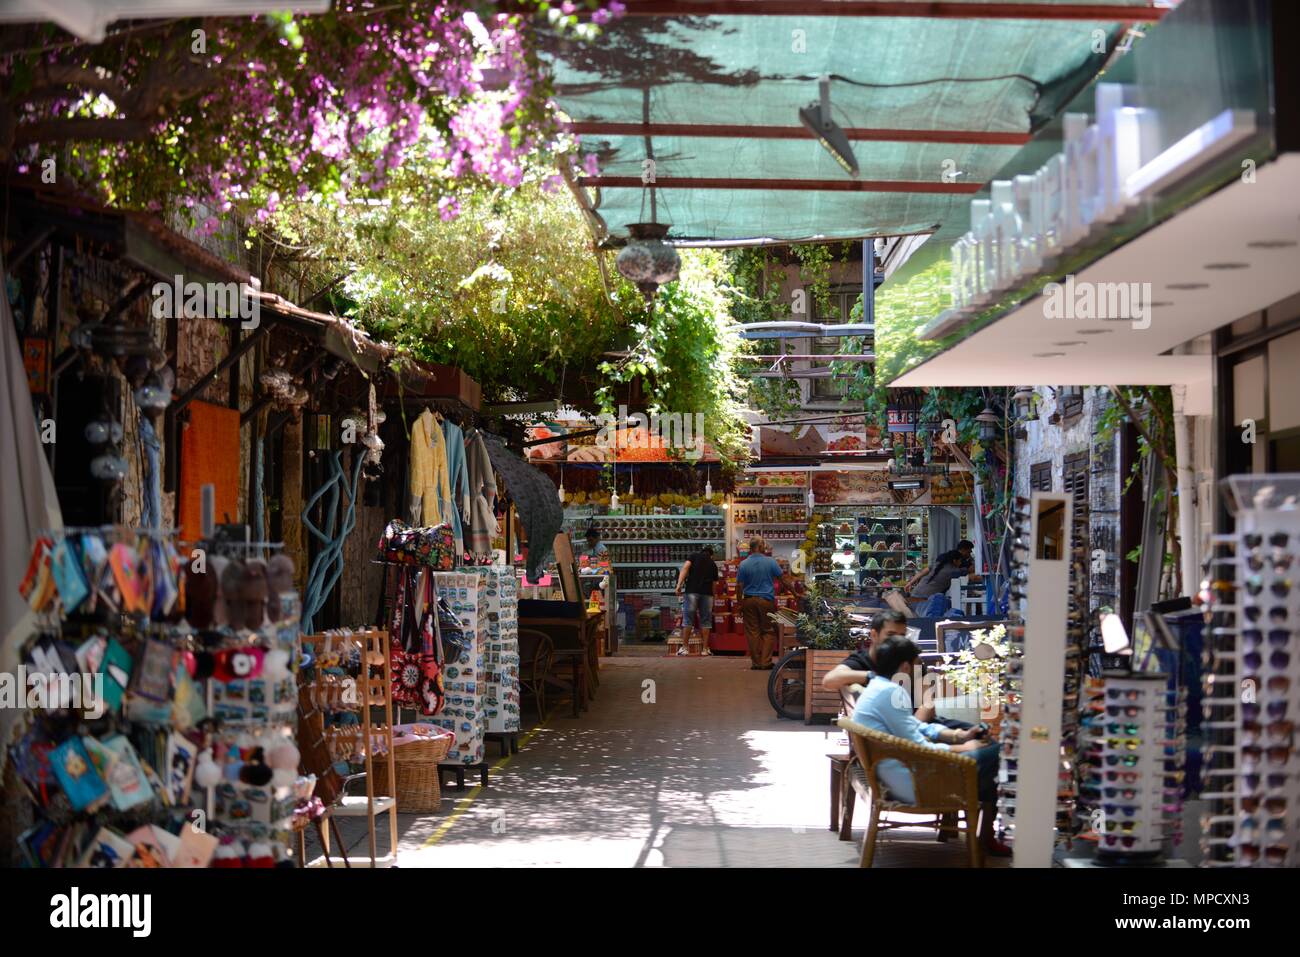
point(845, 436)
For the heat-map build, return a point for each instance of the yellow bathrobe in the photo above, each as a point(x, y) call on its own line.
point(430, 501)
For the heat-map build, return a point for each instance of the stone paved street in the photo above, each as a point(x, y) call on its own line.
point(706, 775)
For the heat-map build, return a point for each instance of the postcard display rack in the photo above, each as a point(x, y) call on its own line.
point(1252, 691)
point(501, 656)
point(465, 679)
point(192, 761)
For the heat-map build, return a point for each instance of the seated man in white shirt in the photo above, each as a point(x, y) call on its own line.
point(886, 706)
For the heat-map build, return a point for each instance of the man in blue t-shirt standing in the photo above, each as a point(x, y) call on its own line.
point(756, 581)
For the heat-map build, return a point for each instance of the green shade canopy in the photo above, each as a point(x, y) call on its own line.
point(714, 101)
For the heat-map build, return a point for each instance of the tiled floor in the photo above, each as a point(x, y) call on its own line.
point(679, 762)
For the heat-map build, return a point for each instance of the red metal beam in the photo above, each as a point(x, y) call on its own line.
point(977, 137)
point(1128, 13)
point(812, 185)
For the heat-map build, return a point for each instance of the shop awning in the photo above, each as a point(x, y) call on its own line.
point(934, 97)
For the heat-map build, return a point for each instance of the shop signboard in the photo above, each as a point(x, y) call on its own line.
point(844, 436)
point(790, 479)
point(1154, 129)
point(643, 439)
point(1193, 106)
point(902, 420)
point(863, 487)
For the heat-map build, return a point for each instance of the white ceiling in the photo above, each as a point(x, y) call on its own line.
point(1218, 229)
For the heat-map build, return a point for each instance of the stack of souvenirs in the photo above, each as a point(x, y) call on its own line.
point(162, 704)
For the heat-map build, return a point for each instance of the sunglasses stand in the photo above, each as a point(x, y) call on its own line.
point(1253, 679)
point(1131, 731)
point(1037, 684)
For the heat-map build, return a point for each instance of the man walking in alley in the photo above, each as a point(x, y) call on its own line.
point(756, 581)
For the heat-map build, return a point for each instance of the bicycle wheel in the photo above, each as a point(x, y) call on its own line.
point(785, 686)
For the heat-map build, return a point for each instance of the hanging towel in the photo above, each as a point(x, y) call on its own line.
point(209, 455)
point(458, 468)
point(483, 493)
point(535, 497)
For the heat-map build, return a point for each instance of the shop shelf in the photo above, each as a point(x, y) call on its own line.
point(697, 517)
point(618, 564)
point(647, 591)
point(662, 541)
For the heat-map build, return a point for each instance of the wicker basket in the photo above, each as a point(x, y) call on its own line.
point(419, 789)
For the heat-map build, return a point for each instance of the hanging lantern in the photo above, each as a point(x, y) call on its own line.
point(1025, 407)
point(647, 260)
point(988, 424)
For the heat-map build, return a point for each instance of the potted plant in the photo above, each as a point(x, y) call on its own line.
point(824, 629)
point(979, 670)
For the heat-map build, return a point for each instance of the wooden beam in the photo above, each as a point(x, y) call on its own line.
point(1129, 13)
point(740, 132)
point(811, 185)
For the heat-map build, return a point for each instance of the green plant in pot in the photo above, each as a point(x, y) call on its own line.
point(980, 669)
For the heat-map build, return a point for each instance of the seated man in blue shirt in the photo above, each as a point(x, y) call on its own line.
point(886, 706)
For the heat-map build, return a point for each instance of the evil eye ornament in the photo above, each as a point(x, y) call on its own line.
point(239, 663)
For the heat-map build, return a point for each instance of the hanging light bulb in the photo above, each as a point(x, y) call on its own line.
point(631, 488)
point(812, 499)
point(560, 490)
point(708, 490)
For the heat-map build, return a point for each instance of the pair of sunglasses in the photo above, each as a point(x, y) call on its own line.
point(1276, 539)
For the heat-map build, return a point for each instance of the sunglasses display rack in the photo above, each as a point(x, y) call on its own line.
point(1133, 718)
point(1035, 787)
point(1252, 691)
point(184, 754)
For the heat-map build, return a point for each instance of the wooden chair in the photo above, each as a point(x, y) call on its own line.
point(944, 782)
point(536, 652)
point(570, 669)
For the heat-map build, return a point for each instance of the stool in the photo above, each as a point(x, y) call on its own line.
point(459, 771)
point(839, 762)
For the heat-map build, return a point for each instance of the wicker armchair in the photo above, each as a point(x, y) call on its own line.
point(945, 783)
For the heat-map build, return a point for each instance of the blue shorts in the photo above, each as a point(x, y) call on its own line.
point(697, 607)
